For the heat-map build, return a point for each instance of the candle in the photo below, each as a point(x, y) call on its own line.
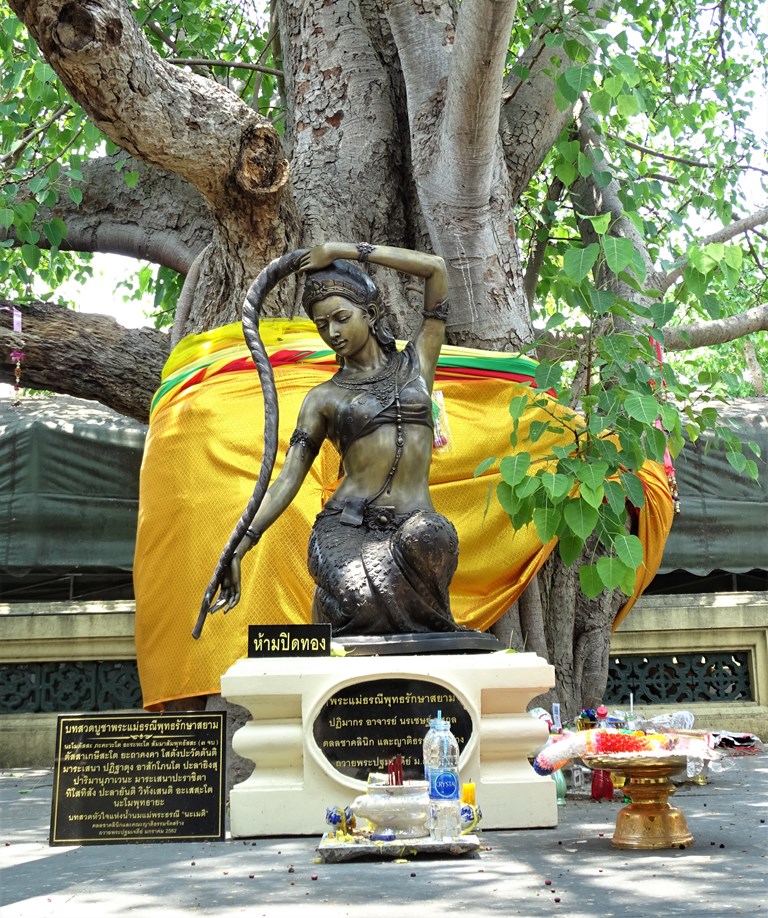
point(468, 793)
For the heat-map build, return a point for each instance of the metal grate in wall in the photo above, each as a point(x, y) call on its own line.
point(679, 678)
point(84, 687)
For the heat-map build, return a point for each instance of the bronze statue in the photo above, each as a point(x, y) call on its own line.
point(381, 556)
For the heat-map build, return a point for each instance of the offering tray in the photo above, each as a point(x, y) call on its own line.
point(649, 821)
point(352, 847)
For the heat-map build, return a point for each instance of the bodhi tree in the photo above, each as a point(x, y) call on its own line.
point(579, 165)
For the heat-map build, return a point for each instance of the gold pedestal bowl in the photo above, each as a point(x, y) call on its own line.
point(648, 821)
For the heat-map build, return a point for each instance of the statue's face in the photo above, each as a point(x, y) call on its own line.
point(342, 325)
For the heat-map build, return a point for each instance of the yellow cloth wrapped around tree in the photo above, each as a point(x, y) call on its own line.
point(201, 461)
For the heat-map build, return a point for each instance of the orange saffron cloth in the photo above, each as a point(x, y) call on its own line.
point(200, 464)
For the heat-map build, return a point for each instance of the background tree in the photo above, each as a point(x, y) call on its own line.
point(579, 165)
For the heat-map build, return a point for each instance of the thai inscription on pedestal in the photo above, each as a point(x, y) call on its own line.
point(361, 727)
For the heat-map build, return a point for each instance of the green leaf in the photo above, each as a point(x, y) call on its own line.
point(602, 300)
point(579, 79)
point(581, 518)
point(734, 257)
point(131, 179)
point(593, 496)
point(601, 102)
point(75, 194)
point(547, 522)
point(548, 375)
point(505, 497)
point(628, 104)
point(592, 474)
point(663, 313)
point(656, 444)
point(577, 263)
point(6, 217)
point(633, 487)
point(31, 256)
point(55, 231)
point(517, 406)
point(590, 581)
point(615, 496)
point(716, 251)
point(601, 223)
point(556, 485)
point(570, 547)
point(618, 252)
point(630, 550)
point(643, 408)
point(737, 461)
point(700, 259)
point(566, 172)
point(528, 487)
point(695, 281)
point(514, 468)
point(611, 571)
point(613, 85)
point(484, 466)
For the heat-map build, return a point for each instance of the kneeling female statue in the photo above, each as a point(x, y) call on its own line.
point(381, 557)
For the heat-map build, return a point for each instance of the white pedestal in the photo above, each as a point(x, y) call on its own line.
point(293, 783)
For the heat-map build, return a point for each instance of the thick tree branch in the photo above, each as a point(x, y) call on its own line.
point(557, 346)
point(162, 219)
point(141, 101)
point(737, 228)
point(88, 356)
point(716, 331)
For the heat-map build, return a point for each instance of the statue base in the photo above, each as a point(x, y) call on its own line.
point(321, 724)
point(367, 645)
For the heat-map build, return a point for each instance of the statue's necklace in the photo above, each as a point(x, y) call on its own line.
point(381, 386)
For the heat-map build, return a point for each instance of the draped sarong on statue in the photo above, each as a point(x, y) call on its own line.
point(201, 461)
point(388, 575)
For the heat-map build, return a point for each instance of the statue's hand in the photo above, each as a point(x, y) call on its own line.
point(229, 595)
point(319, 256)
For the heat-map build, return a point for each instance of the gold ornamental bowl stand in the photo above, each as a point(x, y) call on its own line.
point(648, 821)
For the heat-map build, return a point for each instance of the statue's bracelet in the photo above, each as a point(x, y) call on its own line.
point(364, 249)
point(253, 535)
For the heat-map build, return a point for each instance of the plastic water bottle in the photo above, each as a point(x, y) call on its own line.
point(441, 771)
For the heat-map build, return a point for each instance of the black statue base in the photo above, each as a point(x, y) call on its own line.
point(370, 645)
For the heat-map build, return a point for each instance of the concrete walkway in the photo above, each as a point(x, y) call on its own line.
point(571, 870)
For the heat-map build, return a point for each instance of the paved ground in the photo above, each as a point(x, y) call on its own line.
point(572, 870)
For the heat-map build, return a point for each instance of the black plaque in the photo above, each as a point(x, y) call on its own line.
point(138, 778)
point(360, 728)
point(289, 640)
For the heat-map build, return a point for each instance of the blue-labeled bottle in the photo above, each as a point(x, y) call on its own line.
point(441, 771)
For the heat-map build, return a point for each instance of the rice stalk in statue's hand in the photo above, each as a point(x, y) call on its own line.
point(275, 271)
